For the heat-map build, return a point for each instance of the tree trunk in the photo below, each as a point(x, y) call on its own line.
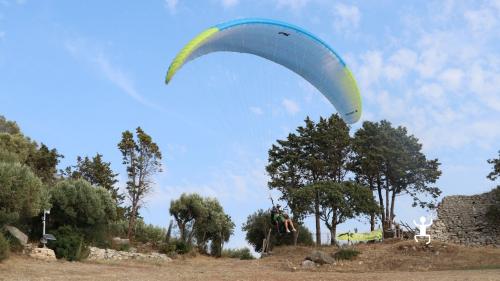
point(333, 233)
point(387, 208)
point(372, 221)
point(381, 202)
point(131, 223)
point(393, 199)
point(318, 221)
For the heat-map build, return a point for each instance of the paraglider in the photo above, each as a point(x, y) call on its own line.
point(285, 44)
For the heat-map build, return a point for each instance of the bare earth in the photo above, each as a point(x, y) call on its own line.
point(396, 261)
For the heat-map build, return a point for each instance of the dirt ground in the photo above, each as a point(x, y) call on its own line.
point(392, 261)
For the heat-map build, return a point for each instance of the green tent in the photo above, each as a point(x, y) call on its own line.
point(367, 236)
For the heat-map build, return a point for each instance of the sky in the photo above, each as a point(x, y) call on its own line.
point(75, 74)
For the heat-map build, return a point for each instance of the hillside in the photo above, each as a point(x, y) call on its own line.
point(388, 261)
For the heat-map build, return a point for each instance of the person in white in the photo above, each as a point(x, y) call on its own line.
point(423, 227)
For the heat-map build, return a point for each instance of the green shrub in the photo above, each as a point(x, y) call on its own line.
point(242, 254)
point(182, 247)
point(4, 247)
point(69, 245)
point(143, 232)
point(149, 233)
point(346, 254)
point(167, 248)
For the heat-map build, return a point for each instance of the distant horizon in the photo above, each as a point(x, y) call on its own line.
point(75, 75)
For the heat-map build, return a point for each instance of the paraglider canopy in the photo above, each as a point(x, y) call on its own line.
point(287, 45)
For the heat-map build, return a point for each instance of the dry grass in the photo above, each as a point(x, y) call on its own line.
point(389, 261)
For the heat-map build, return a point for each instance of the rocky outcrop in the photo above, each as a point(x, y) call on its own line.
point(18, 234)
point(462, 220)
point(320, 257)
point(42, 254)
point(110, 254)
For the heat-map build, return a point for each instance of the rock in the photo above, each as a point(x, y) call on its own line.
point(110, 254)
point(119, 241)
point(18, 234)
point(43, 254)
point(320, 257)
point(308, 264)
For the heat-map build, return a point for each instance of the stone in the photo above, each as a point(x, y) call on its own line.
point(18, 234)
point(308, 264)
point(110, 254)
point(462, 220)
point(120, 241)
point(43, 254)
point(320, 257)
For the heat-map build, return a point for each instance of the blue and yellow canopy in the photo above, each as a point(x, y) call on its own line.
point(287, 45)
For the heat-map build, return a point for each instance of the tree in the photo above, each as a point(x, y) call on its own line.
point(15, 147)
point(78, 204)
point(185, 210)
point(142, 158)
point(317, 152)
point(496, 168)
point(202, 219)
point(340, 201)
point(98, 173)
point(22, 194)
point(259, 223)
point(391, 162)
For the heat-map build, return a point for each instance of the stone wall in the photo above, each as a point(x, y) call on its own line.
point(110, 254)
point(462, 220)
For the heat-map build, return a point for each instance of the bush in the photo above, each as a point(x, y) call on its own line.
point(149, 233)
point(346, 254)
point(22, 194)
point(182, 247)
point(69, 245)
point(82, 206)
point(242, 254)
point(4, 247)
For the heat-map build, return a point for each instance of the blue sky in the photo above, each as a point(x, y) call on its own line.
point(75, 74)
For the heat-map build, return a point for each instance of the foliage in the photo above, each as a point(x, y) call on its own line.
point(242, 254)
point(316, 152)
point(339, 201)
point(493, 175)
point(4, 247)
point(202, 219)
point(143, 160)
point(17, 148)
point(259, 223)
point(78, 204)
point(69, 245)
point(346, 254)
point(181, 247)
point(149, 233)
point(98, 173)
point(22, 194)
point(388, 159)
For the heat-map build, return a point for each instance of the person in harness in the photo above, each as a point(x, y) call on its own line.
point(280, 219)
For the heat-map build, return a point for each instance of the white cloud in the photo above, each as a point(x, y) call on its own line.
point(229, 3)
point(481, 20)
point(96, 58)
point(442, 83)
point(292, 4)
point(256, 110)
point(290, 106)
point(346, 16)
point(2, 35)
point(171, 5)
